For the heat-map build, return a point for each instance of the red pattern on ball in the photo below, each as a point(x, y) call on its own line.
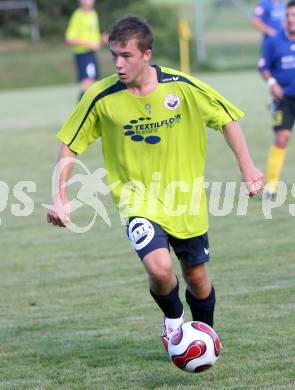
point(177, 336)
point(196, 349)
point(211, 332)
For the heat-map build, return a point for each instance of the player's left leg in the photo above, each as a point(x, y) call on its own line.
point(193, 254)
point(200, 293)
point(284, 111)
point(275, 161)
point(87, 70)
point(90, 73)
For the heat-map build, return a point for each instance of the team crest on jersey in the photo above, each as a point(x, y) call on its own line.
point(292, 47)
point(172, 101)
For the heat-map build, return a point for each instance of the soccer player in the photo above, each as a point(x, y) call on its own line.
point(277, 67)
point(152, 123)
point(268, 17)
point(83, 35)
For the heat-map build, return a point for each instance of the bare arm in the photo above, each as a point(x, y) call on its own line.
point(89, 45)
point(58, 213)
point(82, 42)
point(252, 177)
point(262, 27)
point(275, 88)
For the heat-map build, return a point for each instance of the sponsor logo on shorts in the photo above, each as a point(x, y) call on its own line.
point(140, 232)
point(91, 70)
point(278, 118)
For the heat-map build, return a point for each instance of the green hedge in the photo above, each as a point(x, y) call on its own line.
point(54, 15)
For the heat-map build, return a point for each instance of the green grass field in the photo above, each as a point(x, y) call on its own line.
point(75, 312)
point(46, 63)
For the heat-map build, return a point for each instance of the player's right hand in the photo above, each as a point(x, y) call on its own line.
point(277, 91)
point(254, 180)
point(104, 38)
point(58, 214)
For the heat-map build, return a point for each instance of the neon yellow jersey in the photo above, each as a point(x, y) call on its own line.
point(83, 25)
point(154, 146)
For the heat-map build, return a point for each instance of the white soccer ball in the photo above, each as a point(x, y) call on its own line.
point(194, 346)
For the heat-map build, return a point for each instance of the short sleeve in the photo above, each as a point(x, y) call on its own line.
point(82, 127)
point(216, 111)
point(72, 30)
point(265, 62)
point(261, 10)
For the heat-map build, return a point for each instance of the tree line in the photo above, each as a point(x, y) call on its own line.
point(54, 15)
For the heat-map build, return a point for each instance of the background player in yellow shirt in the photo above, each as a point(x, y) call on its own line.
point(152, 122)
point(83, 35)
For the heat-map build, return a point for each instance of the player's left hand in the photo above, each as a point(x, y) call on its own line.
point(254, 181)
point(104, 38)
point(59, 213)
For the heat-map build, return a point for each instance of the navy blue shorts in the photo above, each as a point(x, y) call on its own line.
point(284, 113)
point(146, 236)
point(87, 66)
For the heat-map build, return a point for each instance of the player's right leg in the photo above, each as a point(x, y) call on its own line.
point(85, 84)
point(164, 288)
point(275, 161)
point(87, 70)
point(283, 122)
point(151, 244)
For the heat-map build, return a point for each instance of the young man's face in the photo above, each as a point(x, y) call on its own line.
point(129, 60)
point(291, 20)
point(87, 4)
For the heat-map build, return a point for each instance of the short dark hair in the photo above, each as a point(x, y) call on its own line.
point(132, 27)
point(291, 3)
